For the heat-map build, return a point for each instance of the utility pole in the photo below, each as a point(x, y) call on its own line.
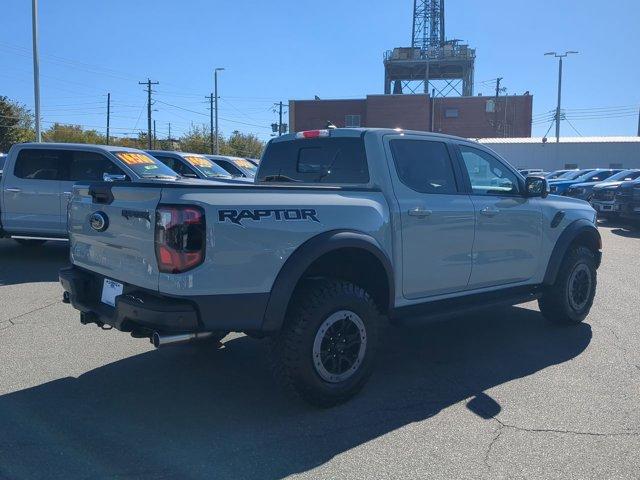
point(154, 134)
point(108, 114)
point(211, 133)
point(36, 67)
point(433, 109)
point(639, 122)
point(169, 132)
point(280, 120)
point(148, 83)
point(558, 108)
point(215, 81)
point(495, 106)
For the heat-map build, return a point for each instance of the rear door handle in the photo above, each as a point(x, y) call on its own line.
point(12, 190)
point(489, 211)
point(419, 212)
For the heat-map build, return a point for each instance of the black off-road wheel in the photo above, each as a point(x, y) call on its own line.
point(325, 351)
point(25, 242)
point(570, 298)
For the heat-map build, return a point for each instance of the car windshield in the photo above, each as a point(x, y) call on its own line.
point(572, 174)
point(597, 176)
point(245, 165)
point(206, 166)
point(145, 165)
point(625, 175)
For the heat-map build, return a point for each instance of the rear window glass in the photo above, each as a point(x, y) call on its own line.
point(317, 160)
point(424, 166)
point(145, 165)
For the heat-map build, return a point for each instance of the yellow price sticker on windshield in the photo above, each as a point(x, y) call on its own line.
point(241, 162)
point(135, 158)
point(199, 161)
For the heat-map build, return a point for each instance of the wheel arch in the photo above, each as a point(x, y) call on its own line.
point(579, 232)
point(327, 252)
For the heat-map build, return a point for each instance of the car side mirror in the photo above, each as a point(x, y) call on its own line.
point(536, 187)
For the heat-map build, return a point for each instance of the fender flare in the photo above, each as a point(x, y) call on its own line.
point(578, 228)
point(298, 262)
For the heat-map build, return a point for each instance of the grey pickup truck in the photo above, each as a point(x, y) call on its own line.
point(38, 178)
point(342, 229)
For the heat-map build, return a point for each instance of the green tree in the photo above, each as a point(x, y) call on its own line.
point(16, 124)
point(62, 133)
point(242, 145)
point(198, 140)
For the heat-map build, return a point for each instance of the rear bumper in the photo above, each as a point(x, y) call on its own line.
point(138, 309)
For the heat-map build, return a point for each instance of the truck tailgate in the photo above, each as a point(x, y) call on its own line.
point(123, 249)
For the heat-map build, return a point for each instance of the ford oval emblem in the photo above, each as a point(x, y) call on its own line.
point(99, 221)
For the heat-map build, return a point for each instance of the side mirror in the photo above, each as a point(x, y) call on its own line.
point(536, 187)
point(113, 177)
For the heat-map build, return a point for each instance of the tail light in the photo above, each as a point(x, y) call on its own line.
point(179, 237)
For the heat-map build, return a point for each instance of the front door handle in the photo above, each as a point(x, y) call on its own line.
point(66, 193)
point(489, 211)
point(419, 212)
point(12, 190)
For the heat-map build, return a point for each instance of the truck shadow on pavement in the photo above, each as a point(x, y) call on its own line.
point(188, 412)
point(19, 264)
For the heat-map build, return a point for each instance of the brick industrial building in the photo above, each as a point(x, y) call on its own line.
point(471, 117)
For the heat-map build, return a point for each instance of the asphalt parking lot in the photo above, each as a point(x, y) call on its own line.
point(499, 394)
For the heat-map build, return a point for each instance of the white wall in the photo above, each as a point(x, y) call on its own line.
point(552, 156)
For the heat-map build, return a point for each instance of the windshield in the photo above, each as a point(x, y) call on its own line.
point(145, 165)
point(624, 176)
point(245, 165)
point(596, 176)
point(572, 174)
point(206, 166)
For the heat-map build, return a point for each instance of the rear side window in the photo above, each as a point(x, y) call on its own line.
point(317, 160)
point(424, 166)
point(40, 164)
point(90, 166)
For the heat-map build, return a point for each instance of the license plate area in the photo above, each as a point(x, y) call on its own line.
point(110, 290)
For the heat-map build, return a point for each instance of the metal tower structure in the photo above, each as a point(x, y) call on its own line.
point(431, 63)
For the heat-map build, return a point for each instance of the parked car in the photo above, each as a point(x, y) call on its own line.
point(603, 197)
point(627, 200)
point(235, 166)
point(584, 190)
point(328, 241)
point(560, 185)
point(191, 165)
point(38, 178)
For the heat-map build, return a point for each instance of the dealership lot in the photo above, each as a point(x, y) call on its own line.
point(500, 394)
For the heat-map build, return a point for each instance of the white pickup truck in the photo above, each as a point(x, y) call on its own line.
point(341, 229)
point(37, 181)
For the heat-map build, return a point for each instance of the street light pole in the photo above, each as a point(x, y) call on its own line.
point(215, 91)
point(559, 106)
point(36, 67)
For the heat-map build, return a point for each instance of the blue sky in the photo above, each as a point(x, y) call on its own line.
point(287, 49)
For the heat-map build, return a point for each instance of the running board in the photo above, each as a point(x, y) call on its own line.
point(48, 239)
point(454, 307)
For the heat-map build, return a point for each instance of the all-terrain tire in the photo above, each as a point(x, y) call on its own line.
point(570, 298)
point(295, 363)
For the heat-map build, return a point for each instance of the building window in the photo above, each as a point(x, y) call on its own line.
point(570, 166)
point(352, 121)
point(451, 113)
point(615, 165)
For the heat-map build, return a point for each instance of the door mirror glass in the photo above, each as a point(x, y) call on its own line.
point(537, 187)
